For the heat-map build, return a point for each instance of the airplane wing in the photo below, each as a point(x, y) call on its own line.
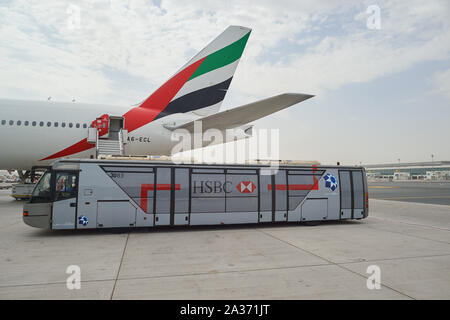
point(247, 113)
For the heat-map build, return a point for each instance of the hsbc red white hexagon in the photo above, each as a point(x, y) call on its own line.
point(246, 187)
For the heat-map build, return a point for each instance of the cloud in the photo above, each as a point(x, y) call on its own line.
point(410, 34)
point(306, 46)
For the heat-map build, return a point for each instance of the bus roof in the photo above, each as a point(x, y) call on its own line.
point(61, 164)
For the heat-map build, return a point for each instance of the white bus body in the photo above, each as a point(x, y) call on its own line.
point(87, 194)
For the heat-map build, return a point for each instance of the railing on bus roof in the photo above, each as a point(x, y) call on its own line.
point(194, 160)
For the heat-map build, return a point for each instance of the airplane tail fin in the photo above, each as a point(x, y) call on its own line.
point(201, 84)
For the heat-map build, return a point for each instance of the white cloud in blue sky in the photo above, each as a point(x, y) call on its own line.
point(380, 94)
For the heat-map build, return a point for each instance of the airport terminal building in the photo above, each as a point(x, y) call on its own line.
point(435, 170)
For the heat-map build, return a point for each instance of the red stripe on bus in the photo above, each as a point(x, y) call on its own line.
point(316, 182)
point(145, 188)
point(314, 186)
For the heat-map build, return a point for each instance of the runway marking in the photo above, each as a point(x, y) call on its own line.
point(120, 266)
point(412, 224)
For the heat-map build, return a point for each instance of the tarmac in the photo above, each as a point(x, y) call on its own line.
point(409, 242)
point(433, 192)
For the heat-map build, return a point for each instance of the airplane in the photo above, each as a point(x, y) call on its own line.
point(36, 133)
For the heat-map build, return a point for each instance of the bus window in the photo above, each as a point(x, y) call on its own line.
point(163, 190)
point(358, 190)
point(346, 189)
point(42, 192)
point(266, 192)
point(280, 191)
point(65, 185)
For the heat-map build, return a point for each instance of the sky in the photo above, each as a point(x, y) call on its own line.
point(379, 70)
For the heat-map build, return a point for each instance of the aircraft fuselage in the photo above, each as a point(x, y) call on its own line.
point(31, 131)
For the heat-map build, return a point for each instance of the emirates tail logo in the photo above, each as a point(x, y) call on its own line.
point(246, 187)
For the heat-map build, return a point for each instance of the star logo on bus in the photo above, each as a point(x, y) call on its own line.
point(330, 182)
point(246, 187)
point(83, 220)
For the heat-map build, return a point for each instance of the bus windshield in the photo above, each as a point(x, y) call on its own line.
point(42, 191)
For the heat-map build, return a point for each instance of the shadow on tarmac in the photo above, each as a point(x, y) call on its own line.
point(171, 229)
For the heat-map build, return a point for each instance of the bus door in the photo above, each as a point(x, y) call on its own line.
point(64, 209)
point(265, 196)
point(180, 196)
point(273, 196)
point(351, 194)
point(279, 187)
point(163, 199)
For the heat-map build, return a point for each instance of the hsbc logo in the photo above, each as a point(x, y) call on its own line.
point(246, 187)
point(209, 186)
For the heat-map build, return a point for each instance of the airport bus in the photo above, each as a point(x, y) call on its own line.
point(92, 193)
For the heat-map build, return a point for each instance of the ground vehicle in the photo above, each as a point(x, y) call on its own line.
point(22, 191)
point(81, 194)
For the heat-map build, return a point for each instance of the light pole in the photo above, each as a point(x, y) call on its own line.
point(432, 169)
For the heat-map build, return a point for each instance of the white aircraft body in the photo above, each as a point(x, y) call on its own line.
point(36, 133)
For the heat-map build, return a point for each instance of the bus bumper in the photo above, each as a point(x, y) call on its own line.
point(37, 214)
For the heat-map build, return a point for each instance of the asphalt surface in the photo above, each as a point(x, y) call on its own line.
point(411, 191)
point(409, 242)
